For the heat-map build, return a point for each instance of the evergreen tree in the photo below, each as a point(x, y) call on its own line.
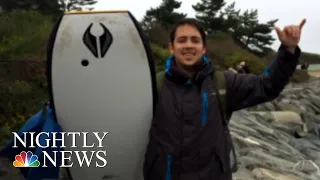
point(254, 35)
point(47, 7)
point(164, 15)
point(231, 18)
point(77, 5)
point(207, 13)
point(247, 31)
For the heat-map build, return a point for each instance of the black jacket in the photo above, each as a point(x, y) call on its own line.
point(187, 138)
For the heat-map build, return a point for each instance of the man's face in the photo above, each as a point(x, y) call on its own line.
point(187, 46)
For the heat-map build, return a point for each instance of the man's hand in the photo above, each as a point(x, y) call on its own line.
point(290, 35)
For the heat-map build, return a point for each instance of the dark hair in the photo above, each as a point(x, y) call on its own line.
point(192, 22)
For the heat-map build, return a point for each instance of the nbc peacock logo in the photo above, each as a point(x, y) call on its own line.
point(26, 160)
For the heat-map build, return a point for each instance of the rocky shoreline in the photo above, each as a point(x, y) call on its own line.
point(278, 140)
point(275, 147)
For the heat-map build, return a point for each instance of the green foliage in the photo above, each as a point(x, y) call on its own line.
point(310, 58)
point(254, 35)
point(245, 28)
point(24, 35)
point(231, 17)
point(218, 36)
point(21, 100)
point(207, 14)
point(5, 134)
point(77, 5)
point(46, 7)
point(160, 55)
point(52, 8)
point(233, 59)
point(305, 57)
point(158, 35)
point(163, 15)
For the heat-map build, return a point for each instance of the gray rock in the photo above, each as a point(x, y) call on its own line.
point(290, 105)
point(307, 166)
point(269, 106)
point(260, 173)
point(272, 150)
point(7, 171)
point(243, 174)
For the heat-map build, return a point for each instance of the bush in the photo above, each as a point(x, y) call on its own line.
point(218, 36)
point(23, 89)
point(231, 59)
point(24, 35)
point(235, 58)
point(300, 76)
point(160, 55)
point(19, 100)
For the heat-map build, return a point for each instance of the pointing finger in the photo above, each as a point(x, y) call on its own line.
point(302, 23)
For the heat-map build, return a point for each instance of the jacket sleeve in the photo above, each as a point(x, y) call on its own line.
point(245, 90)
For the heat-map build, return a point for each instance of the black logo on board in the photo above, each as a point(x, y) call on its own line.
point(91, 41)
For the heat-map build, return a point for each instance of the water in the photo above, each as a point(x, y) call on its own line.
point(312, 67)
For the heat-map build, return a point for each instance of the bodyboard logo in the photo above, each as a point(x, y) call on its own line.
point(104, 40)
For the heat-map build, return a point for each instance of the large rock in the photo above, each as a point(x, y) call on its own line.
point(280, 140)
point(260, 173)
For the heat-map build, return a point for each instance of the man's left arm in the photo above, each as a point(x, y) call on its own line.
point(245, 90)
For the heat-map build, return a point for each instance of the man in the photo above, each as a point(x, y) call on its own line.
point(304, 66)
point(240, 69)
point(245, 67)
point(187, 140)
point(232, 70)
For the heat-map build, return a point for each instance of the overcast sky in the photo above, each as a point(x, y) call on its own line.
point(287, 11)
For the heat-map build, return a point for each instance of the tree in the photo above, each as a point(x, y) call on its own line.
point(164, 15)
point(253, 34)
point(247, 30)
point(231, 18)
point(46, 7)
point(77, 5)
point(27, 43)
point(207, 13)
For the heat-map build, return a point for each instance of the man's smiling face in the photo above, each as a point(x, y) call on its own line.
point(187, 47)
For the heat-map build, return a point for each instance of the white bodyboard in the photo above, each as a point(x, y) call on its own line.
point(101, 79)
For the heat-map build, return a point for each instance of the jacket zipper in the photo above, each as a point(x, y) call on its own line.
point(204, 108)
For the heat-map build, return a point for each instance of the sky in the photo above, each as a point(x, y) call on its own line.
point(287, 11)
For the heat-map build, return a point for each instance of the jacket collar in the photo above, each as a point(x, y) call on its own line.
point(174, 73)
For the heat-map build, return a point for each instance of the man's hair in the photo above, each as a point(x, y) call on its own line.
point(192, 22)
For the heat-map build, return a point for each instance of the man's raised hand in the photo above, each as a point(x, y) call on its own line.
point(290, 35)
